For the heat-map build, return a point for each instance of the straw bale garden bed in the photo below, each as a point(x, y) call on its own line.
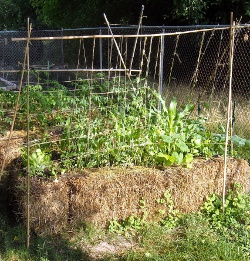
point(114, 160)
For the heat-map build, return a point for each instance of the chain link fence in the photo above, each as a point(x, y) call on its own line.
point(189, 63)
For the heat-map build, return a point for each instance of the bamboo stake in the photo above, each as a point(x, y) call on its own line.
point(28, 139)
point(78, 65)
point(115, 36)
point(217, 65)
point(195, 75)
point(231, 53)
point(85, 58)
point(201, 55)
point(118, 61)
point(172, 65)
point(115, 42)
point(15, 110)
point(78, 58)
point(149, 57)
point(161, 71)
point(157, 58)
point(93, 58)
point(110, 54)
point(214, 71)
point(117, 47)
point(217, 61)
point(136, 39)
point(142, 56)
point(78, 70)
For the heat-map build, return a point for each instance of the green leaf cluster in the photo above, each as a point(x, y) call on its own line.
point(115, 123)
point(234, 222)
point(39, 162)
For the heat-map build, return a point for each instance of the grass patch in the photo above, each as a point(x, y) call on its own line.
point(192, 239)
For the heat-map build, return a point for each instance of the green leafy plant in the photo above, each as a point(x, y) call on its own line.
point(181, 137)
point(40, 163)
point(104, 124)
point(240, 146)
point(134, 132)
point(173, 216)
point(131, 224)
point(234, 222)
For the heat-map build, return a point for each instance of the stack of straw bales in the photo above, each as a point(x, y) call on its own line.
point(100, 195)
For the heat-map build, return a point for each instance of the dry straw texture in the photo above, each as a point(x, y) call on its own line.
point(101, 195)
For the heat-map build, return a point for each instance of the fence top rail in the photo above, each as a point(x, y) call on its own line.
point(113, 36)
point(166, 27)
point(72, 70)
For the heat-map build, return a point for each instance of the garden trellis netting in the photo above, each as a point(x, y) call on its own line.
point(77, 76)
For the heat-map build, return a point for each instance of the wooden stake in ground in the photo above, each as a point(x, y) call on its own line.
point(28, 137)
point(15, 110)
point(229, 108)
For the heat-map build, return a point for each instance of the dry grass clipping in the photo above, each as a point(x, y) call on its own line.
point(98, 196)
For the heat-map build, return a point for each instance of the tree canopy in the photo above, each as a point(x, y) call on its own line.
point(56, 14)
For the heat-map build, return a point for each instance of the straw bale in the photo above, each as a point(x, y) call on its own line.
point(100, 195)
point(48, 204)
point(14, 149)
point(190, 187)
point(115, 194)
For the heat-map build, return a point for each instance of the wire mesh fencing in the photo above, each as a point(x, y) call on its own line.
point(90, 88)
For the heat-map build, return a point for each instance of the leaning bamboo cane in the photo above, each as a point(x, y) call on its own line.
point(117, 47)
point(15, 110)
point(136, 39)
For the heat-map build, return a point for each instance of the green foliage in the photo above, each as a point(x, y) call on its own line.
point(63, 14)
point(14, 13)
point(240, 146)
point(193, 239)
point(173, 215)
point(99, 128)
point(234, 223)
point(134, 131)
point(208, 235)
point(193, 11)
point(174, 135)
point(49, 107)
point(40, 163)
point(169, 217)
point(7, 102)
point(128, 225)
point(57, 14)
